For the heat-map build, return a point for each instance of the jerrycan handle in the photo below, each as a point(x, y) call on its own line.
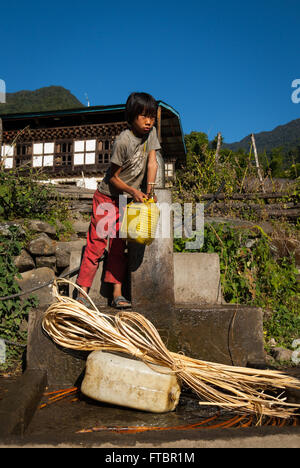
point(152, 189)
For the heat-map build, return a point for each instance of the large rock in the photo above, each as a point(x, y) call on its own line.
point(62, 254)
point(6, 225)
point(46, 261)
point(42, 245)
point(282, 354)
point(38, 277)
point(81, 228)
point(24, 261)
point(36, 225)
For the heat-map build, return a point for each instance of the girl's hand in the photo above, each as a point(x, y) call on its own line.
point(138, 196)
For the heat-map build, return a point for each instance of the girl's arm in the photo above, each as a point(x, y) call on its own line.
point(115, 180)
point(151, 170)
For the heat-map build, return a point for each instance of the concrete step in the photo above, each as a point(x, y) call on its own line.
point(227, 334)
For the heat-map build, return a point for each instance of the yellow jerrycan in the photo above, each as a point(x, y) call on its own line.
point(140, 222)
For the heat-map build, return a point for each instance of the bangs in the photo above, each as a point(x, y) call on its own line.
point(149, 111)
point(140, 104)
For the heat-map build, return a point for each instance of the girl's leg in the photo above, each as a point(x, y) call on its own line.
point(116, 265)
point(116, 262)
point(95, 246)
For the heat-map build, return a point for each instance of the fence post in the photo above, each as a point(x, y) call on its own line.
point(257, 163)
point(218, 147)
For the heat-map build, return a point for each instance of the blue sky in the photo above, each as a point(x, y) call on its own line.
point(224, 66)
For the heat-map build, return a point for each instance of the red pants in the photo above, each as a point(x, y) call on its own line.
point(97, 242)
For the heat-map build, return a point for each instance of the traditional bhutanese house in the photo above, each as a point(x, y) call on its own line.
point(73, 145)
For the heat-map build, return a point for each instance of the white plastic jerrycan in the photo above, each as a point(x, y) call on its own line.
point(112, 378)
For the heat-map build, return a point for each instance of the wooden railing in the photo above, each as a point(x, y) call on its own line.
point(287, 205)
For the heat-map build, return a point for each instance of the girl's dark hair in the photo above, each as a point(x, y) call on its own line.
point(140, 103)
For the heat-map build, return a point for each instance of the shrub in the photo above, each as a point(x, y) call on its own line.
point(22, 195)
point(13, 312)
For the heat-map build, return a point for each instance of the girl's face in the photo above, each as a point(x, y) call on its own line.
point(143, 124)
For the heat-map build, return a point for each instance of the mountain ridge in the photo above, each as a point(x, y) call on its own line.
point(285, 135)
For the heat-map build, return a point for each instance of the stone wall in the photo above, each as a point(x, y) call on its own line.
point(44, 257)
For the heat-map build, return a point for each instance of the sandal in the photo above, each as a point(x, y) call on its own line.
point(84, 301)
point(116, 303)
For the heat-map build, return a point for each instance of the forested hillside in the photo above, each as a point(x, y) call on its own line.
point(43, 99)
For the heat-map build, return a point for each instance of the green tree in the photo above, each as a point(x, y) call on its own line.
point(277, 162)
point(196, 143)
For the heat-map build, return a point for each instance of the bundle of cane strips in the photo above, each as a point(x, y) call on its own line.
point(243, 390)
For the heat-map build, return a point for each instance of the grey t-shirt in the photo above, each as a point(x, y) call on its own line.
point(131, 153)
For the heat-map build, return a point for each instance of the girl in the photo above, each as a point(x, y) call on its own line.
point(133, 156)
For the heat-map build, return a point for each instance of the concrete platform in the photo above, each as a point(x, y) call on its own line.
point(148, 447)
point(61, 425)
